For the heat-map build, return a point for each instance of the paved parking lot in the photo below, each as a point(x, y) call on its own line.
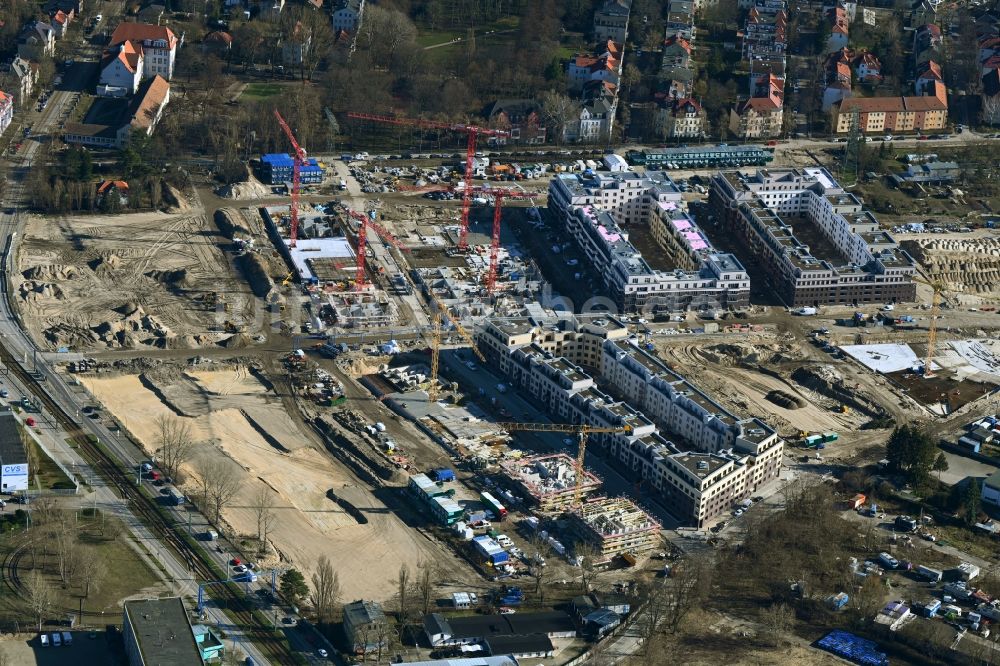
point(960, 467)
point(85, 651)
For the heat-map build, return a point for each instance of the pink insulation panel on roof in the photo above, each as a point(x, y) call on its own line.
point(608, 236)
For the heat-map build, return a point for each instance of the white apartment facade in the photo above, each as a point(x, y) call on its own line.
point(871, 266)
point(731, 457)
point(157, 44)
point(593, 209)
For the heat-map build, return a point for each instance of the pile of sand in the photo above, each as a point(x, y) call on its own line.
point(134, 329)
point(231, 222)
point(177, 279)
point(50, 273)
point(237, 341)
point(967, 265)
point(251, 188)
point(105, 264)
point(32, 292)
point(65, 334)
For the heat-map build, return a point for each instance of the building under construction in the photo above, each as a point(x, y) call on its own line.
point(614, 526)
point(549, 481)
point(365, 310)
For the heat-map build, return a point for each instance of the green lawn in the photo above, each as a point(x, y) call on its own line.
point(44, 472)
point(566, 52)
point(258, 91)
point(126, 574)
point(432, 37)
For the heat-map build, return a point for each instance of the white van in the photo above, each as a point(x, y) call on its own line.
point(44, 640)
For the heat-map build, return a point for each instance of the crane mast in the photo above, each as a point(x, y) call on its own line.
point(297, 161)
point(582, 431)
point(473, 133)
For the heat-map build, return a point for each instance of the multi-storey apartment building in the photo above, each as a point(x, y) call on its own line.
point(555, 362)
point(157, 44)
point(593, 210)
point(6, 111)
point(772, 208)
point(611, 20)
point(878, 115)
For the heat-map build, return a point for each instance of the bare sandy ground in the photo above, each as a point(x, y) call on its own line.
point(754, 387)
point(126, 281)
point(308, 524)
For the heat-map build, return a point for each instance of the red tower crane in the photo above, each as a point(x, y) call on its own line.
point(298, 160)
point(498, 194)
point(473, 133)
point(365, 222)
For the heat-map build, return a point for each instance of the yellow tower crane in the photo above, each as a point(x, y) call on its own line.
point(582, 431)
point(939, 289)
point(432, 390)
point(461, 330)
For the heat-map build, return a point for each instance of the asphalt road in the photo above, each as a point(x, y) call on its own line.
point(46, 126)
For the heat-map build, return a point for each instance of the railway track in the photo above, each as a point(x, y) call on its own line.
point(238, 608)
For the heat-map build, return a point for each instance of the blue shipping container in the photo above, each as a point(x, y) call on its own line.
point(444, 474)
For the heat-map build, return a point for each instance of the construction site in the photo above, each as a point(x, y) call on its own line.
point(549, 481)
point(143, 280)
point(613, 527)
point(348, 357)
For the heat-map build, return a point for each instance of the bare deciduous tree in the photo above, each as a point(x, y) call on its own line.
point(383, 32)
point(38, 594)
point(383, 635)
point(776, 619)
point(672, 599)
point(61, 534)
point(425, 586)
point(559, 112)
point(326, 590)
point(868, 599)
point(403, 593)
point(92, 570)
point(220, 484)
point(175, 444)
point(263, 507)
point(586, 554)
point(540, 573)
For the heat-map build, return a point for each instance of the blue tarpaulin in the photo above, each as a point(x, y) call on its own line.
point(854, 648)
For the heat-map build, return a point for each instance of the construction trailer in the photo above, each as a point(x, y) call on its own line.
point(277, 168)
